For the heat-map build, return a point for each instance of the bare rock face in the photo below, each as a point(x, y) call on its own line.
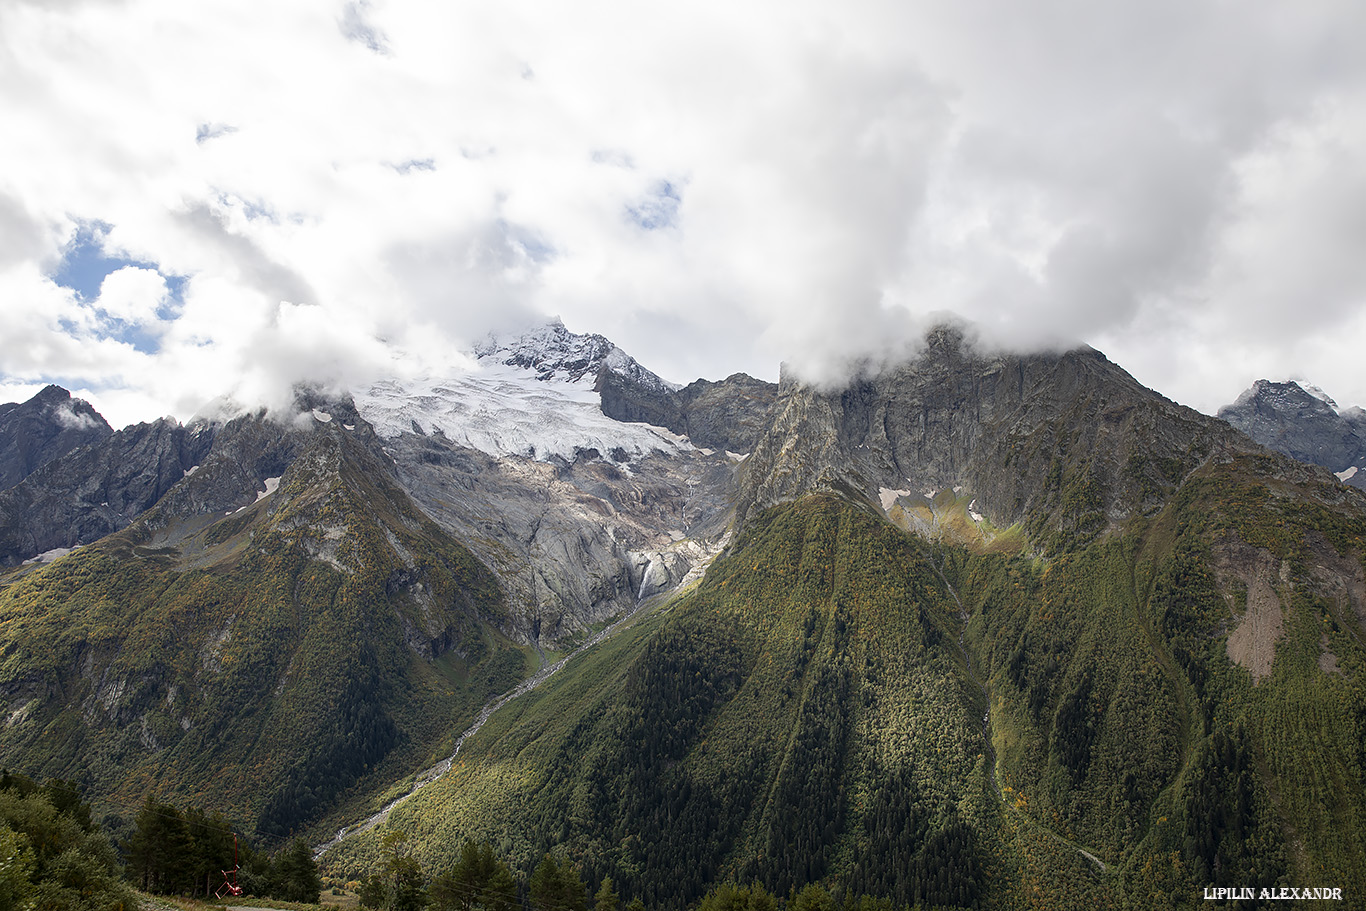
point(1067, 443)
point(728, 415)
point(96, 490)
point(200, 468)
point(573, 544)
point(626, 399)
point(46, 427)
point(1292, 420)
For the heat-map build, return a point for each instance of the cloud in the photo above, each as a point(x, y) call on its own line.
point(716, 187)
point(20, 235)
point(658, 209)
point(133, 295)
point(240, 255)
point(355, 27)
point(68, 418)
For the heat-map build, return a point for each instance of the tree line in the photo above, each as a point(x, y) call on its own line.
point(479, 880)
point(190, 852)
point(54, 856)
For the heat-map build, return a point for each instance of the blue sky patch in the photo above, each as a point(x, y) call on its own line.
point(206, 131)
point(659, 209)
point(83, 269)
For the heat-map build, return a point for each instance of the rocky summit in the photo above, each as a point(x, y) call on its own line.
point(1304, 423)
point(46, 427)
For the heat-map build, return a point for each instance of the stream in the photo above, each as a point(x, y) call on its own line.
point(428, 775)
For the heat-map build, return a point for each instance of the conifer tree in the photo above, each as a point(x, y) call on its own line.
point(159, 852)
point(478, 880)
point(399, 884)
point(607, 898)
point(295, 876)
point(557, 887)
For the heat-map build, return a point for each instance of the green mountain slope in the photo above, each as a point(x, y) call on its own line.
point(1187, 698)
point(270, 663)
point(807, 715)
point(803, 715)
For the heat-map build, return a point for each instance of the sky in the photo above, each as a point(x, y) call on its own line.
point(211, 198)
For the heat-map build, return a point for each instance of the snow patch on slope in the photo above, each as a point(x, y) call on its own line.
point(503, 409)
point(272, 485)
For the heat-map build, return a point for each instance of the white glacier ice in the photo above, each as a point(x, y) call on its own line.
point(509, 410)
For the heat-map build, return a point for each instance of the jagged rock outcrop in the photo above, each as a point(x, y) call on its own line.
point(99, 489)
point(46, 427)
point(1305, 425)
point(1067, 442)
point(728, 415)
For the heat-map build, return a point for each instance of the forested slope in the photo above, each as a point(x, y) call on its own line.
point(266, 663)
point(802, 716)
point(807, 715)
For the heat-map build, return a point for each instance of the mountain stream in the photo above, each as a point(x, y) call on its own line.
point(427, 776)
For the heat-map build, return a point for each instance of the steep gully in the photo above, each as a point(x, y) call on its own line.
point(990, 750)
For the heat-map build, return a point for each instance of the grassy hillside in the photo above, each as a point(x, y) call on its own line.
point(270, 664)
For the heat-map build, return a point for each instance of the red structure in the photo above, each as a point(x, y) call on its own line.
point(230, 886)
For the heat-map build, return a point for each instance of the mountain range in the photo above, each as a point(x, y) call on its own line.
point(981, 629)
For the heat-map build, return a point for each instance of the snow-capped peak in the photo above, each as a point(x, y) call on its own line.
point(1287, 395)
point(533, 395)
point(552, 352)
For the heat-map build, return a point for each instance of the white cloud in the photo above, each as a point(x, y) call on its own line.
point(133, 294)
point(1174, 182)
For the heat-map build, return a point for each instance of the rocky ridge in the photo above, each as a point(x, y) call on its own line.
point(1067, 443)
point(97, 489)
point(44, 428)
point(1305, 424)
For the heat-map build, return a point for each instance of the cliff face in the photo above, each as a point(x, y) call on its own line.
point(1065, 441)
point(98, 489)
point(46, 427)
point(103, 487)
point(727, 415)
